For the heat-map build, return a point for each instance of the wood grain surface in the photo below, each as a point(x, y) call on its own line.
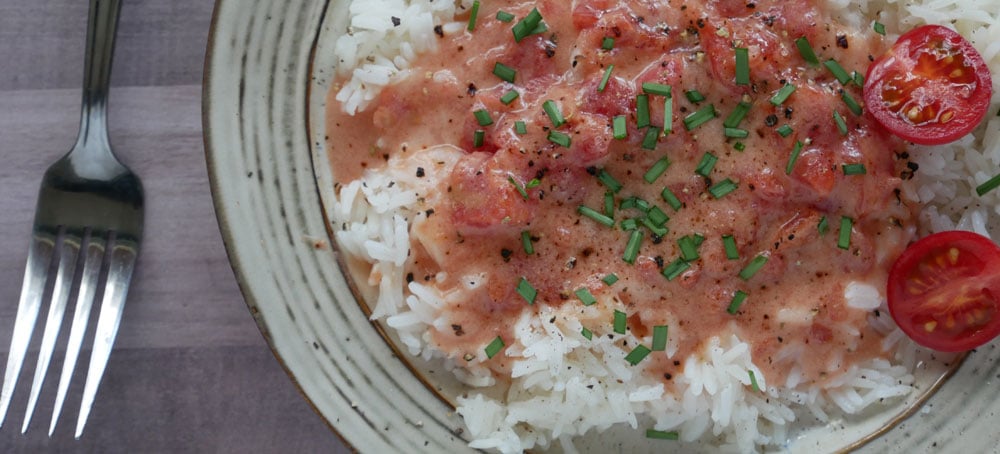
point(190, 372)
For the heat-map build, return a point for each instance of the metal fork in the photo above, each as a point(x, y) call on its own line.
point(88, 202)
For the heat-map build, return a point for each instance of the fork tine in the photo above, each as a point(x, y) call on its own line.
point(68, 251)
point(121, 265)
point(84, 301)
point(39, 259)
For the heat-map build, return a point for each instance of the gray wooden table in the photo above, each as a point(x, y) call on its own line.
point(189, 372)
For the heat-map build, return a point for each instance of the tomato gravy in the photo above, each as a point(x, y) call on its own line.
point(789, 211)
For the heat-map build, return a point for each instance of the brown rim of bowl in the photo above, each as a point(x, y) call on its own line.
point(223, 220)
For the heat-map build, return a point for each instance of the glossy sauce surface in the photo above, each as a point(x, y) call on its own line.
point(794, 313)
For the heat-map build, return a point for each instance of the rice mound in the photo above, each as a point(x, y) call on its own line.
point(563, 385)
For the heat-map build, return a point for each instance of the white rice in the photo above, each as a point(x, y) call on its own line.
point(562, 385)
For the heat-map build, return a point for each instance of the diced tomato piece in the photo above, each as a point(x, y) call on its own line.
point(483, 196)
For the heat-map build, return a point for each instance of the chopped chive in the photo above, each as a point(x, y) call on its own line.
point(652, 88)
point(605, 78)
point(629, 224)
point(529, 248)
point(841, 124)
point(526, 291)
point(844, 238)
point(838, 71)
point(729, 244)
point(675, 269)
point(740, 146)
point(478, 138)
point(517, 185)
point(610, 279)
point(738, 298)
point(527, 26)
point(784, 131)
point(793, 157)
point(742, 66)
point(879, 28)
point(722, 188)
point(483, 117)
point(698, 239)
point(494, 347)
point(782, 95)
point(552, 110)
point(753, 267)
point(854, 169)
point(736, 133)
point(689, 251)
point(806, 50)
point(509, 97)
point(858, 79)
point(504, 16)
point(753, 382)
point(694, 96)
point(823, 226)
point(642, 111)
point(657, 229)
point(632, 248)
point(671, 199)
point(534, 183)
point(594, 215)
point(657, 216)
point(659, 338)
point(706, 164)
point(656, 170)
point(609, 204)
point(668, 115)
point(520, 127)
point(609, 181)
point(699, 117)
point(988, 186)
point(585, 296)
point(587, 334)
point(662, 435)
point(472, 16)
point(621, 319)
point(639, 353)
point(618, 127)
point(737, 115)
point(650, 139)
point(853, 105)
point(608, 43)
point(560, 139)
point(504, 72)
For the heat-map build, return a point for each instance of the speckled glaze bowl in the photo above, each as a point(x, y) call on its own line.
point(266, 78)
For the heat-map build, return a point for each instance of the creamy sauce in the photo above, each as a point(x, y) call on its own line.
point(795, 300)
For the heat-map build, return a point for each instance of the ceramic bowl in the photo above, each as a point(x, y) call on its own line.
point(266, 77)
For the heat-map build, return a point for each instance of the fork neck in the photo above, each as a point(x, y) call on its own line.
point(102, 23)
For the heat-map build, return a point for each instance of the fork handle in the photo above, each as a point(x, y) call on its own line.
point(102, 23)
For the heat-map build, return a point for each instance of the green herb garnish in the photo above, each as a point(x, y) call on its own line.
point(844, 238)
point(585, 296)
point(753, 267)
point(504, 72)
point(742, 66)
point(639, 353)
point(527, 291)
point(620, 321)
point(659, 338)
point(738, 298)
point(494, 347)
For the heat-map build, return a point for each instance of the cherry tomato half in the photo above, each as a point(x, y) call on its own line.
point(944, 291)
point(931, 87)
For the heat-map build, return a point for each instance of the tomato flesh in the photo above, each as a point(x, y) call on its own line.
point(944, 291)
point(931, 87)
